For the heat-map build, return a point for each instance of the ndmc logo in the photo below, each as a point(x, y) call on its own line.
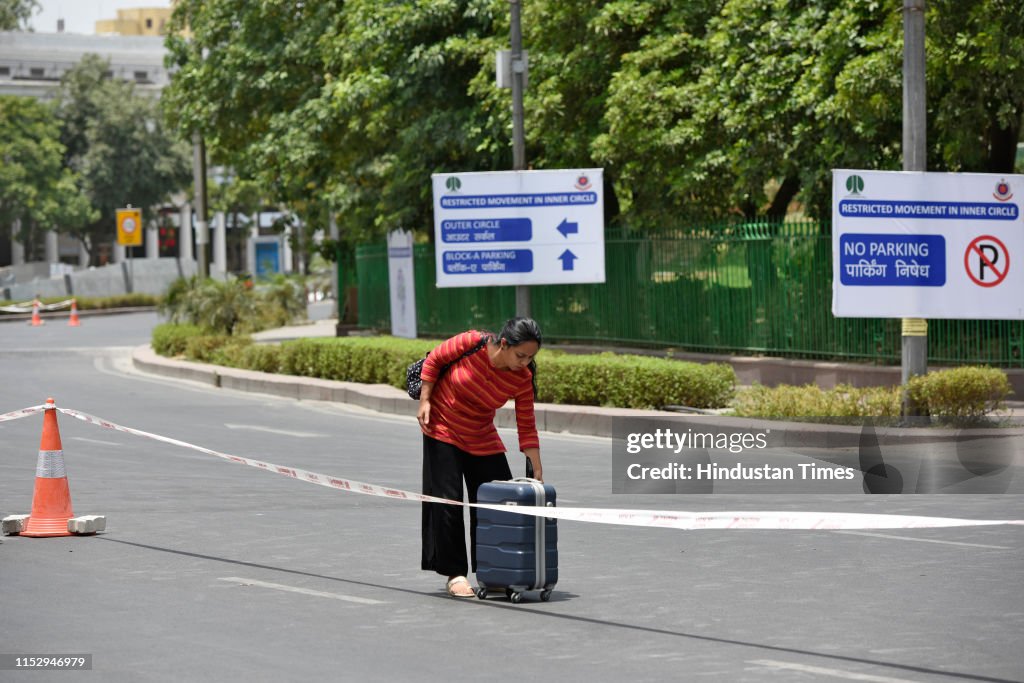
point(453, 184)
point(855, 184)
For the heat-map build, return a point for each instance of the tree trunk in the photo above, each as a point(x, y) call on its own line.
point(1002, 150)
point(780, 202)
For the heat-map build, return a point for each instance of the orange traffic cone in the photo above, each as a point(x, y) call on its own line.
point(73, 321)
point(51, 502)
point(36, 320)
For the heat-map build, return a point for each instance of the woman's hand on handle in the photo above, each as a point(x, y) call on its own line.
point(534, 456)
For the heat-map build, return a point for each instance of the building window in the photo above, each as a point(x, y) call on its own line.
point(5, 71)
point(108, 74)
point(149, 23)
point(141, 77)
point(36, 72)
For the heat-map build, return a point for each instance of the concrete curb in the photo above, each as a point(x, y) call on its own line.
point(582, 420)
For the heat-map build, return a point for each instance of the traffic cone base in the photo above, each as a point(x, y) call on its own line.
point(73, 321)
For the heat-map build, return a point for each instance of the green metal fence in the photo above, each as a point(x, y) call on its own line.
point(747, 289)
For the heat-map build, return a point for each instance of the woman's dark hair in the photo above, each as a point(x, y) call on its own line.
point(519, 330)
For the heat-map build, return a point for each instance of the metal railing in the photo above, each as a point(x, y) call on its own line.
point(744, 289)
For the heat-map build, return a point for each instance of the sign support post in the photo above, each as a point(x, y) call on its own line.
point(518, 133)
point(914, 337)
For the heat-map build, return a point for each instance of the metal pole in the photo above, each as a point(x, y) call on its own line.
point(336, 278)
point(199, 180)
point(914, 356)
point(518, 134)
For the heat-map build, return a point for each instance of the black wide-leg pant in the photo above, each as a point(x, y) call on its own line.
point(444, 531)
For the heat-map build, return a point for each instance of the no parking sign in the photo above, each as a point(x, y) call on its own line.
point(927, 245)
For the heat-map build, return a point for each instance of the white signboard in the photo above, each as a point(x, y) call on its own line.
point(927, 245)
point(519, 228)
point(401, 284)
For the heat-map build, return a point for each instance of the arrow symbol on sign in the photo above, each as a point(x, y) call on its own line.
point(567, 228)
point(567, 258)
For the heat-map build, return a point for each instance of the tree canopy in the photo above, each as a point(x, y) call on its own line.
point(697, 111)
point(14, 14)
point(118, 146)
point(36, 190)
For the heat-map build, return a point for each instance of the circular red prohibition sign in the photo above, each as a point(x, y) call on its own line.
point(999, 266)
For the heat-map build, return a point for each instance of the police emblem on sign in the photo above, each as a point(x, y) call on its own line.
point(1003, 192)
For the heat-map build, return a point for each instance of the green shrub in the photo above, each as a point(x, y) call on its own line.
point(232, 307)
point(960, 394)
point(118, 301)
point(205, 347)
point(231, 353)
point(627, 381)
point(170, 339)
point(353, 359)
point(810, 401)
point(261, 357)
point(282, 301)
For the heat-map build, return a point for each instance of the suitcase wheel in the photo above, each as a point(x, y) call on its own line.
point(545, 595)
point(481, 593)
point(515, 596)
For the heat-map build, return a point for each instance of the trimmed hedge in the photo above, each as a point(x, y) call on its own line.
point(958, 395)
point(170, 340)
point(604, 380)
point(793, 402)
point(624, 381)
point(961, 394)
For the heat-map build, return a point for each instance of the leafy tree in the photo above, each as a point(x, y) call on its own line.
point(34, 187)
point(14, 14)
point(116, 141)
point(698, 110)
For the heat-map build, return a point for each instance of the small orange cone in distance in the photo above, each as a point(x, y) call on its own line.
point(36, 320)
point(51, 502)
point(73, 321)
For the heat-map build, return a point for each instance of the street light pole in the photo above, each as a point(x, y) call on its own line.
point(199, 181)
point(518, 133)
point(914, 352)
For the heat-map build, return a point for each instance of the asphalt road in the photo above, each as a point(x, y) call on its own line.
point(214, 571)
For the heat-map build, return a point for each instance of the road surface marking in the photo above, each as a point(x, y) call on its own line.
point(271, 430)
point(303, 591)
point(103, 443)
point(924, 540)
point(835, 673)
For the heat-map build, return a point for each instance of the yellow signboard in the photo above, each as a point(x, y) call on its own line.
point(129, 227)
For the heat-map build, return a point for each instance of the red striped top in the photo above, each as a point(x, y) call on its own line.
point(464, 402)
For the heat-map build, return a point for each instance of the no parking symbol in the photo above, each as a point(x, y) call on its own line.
point(987, 261)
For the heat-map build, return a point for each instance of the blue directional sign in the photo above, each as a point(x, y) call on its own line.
point(486, 230)
point(464, 262)
point(519, 228)
point(882, 260)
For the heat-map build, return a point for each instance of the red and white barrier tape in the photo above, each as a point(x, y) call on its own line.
point(667, 519)
point(24, 412)
point(26, 307)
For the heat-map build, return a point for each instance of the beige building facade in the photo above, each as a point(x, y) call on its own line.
point(142, 21)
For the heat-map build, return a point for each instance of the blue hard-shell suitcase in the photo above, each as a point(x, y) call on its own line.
point(516, 553)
